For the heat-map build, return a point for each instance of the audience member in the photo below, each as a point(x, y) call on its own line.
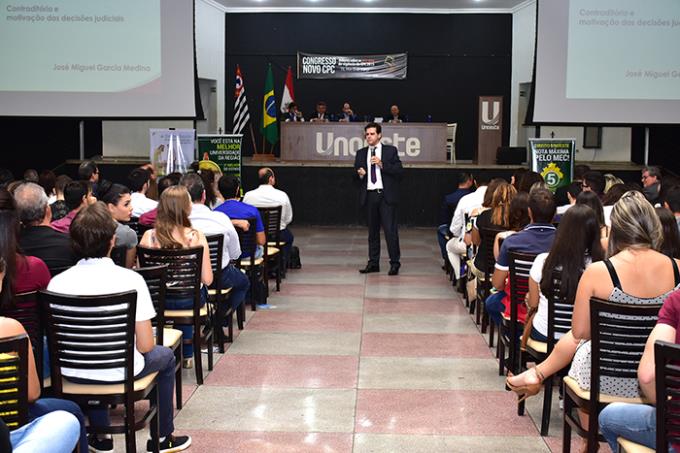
point(31, 175)
point(209, 223)
point(139, 184)
point(529, 178)
point(6, 177)
point(635, 238)
point(77, 195)
point(590, 199)
point(672, 202)
point(320, 114)
point(517, 176)
point(576, 245)
point(37, 238)
point(267, 196)
point(347, 115)
point(118, 201)
point(651, 183)
point(670, 246)
point(173, 230)
point(518, 219)
point(152, 191)
point(611, 180)
point(573, 191)
point(212, 194)
point(496, 217)
point(448, 207)
point(58, 207)
point(47, 180)
point(293, 114)
point(230, 188)
point(535, 238)
point(395, 115)
point(561, 192)
point(149, 218)
point(593, 181)
point(88, 171)
point(456, 246)
point(93, 233)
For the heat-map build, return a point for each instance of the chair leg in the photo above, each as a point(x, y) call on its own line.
point(154, 429)
point(178, 377)
point(130, 440)
point(501, 353)
point(198, 355)
point(241, 315)
point(485, 318)
point(230, 328)
point(253, 282)
point(566, 427)
point(547, 405)
point(279, 265)
point(492, 328)
point(211, 336)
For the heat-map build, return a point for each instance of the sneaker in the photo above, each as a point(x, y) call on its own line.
point(171, 444)
point(97, 445)
point(188, 363)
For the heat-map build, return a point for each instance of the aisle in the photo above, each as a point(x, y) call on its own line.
point(350, 363)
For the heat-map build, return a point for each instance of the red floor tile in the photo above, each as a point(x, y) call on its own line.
point(407, 306)
point(417, 280)
point(424, 345)
point(296, 289)
point(285, 371)
point(269, 442)
point(282, 321)
point(447, 412)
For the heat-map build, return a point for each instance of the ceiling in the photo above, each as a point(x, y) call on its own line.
point(401, 6)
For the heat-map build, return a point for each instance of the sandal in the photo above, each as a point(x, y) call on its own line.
point(525, 391)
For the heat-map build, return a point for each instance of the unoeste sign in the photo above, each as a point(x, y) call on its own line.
point(333, 142)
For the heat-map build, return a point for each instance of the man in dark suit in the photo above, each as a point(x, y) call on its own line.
point(379, 169)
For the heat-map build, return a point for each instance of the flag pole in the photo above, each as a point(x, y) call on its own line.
point(252, 136)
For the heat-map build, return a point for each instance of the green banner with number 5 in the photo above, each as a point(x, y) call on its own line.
point(553, 158)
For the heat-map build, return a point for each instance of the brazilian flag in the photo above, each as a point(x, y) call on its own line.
point(268, 128)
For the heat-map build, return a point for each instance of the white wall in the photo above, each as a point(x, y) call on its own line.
point(616, 141)
point(131, 138)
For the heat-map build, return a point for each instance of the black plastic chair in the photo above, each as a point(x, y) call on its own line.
point(488, 236)
point(156, 280)
point(14, 381)
point(98, 333)
point(184, 282)
point(619, 334)
point(666, 359)
point(254, 267)
point(25, 309)
point(273, 250)
point(119, 255)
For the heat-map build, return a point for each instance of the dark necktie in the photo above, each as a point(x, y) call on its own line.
point(374, 174)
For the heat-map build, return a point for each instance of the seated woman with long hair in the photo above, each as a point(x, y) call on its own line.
point(589, 198)
point(576, 245)
point(635, 237)
point(117, 199)
point(173, 230)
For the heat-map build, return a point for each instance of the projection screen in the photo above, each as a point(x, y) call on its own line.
point(608, 62)
point(93, 58)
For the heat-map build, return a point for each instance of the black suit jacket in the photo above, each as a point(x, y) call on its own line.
point(391, 173)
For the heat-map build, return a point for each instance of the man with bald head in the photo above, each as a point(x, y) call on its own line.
point(395, 116)
point(265, 196)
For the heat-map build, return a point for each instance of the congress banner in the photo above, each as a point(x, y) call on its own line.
point(220, 152)
point(553, 158)
point(319, 66)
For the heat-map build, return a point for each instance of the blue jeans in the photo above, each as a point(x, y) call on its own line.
point(495, 307)
point(442, 231)
point(162, 360)
point(187, 331)
point(287, 238)
point(538, 336)
point(59, 429)
point(44, 406)
point(634, 422)
point(238, 282)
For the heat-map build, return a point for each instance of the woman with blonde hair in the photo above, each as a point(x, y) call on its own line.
point(173, 230)
point(636, 236)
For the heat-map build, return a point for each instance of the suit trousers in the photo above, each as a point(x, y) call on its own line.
point(381, 213)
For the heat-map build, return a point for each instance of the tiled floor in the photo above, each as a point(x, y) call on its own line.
point(353, 363)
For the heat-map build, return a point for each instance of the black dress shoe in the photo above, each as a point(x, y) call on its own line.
point(370, 268)
point(394, 269)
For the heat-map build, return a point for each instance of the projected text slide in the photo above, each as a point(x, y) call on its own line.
point(79, 45)
point(623, 49)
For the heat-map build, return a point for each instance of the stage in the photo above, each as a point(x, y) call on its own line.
point(325, 193)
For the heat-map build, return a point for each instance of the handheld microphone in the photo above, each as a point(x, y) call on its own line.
point(373, 152)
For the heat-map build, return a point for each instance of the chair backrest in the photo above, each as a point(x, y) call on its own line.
point(271, 217)
point(488, 237)
point(137, 227)
point(183, 271)
point(560, 310)
point(619, 333)
point(248, 241)
point(90, 333)
point(118, 255)
point(666, 359)
point(14, 381)
point(520, 265)
point(24, 308)
point(156, 278)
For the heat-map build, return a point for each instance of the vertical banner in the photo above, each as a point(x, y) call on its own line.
point(220, 153)
point(489, 129)
point(171, 150)
point(553, 158)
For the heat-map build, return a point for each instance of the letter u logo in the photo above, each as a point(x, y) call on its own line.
point(491, 120)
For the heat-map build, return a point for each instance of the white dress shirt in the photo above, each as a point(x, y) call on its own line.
point(466, 205)
point(267, 196)
point(378, 172)
point(141, 204)
point(98, 276)
point(209, 222)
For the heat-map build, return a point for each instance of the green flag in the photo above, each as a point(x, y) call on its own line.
point(268, 127)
